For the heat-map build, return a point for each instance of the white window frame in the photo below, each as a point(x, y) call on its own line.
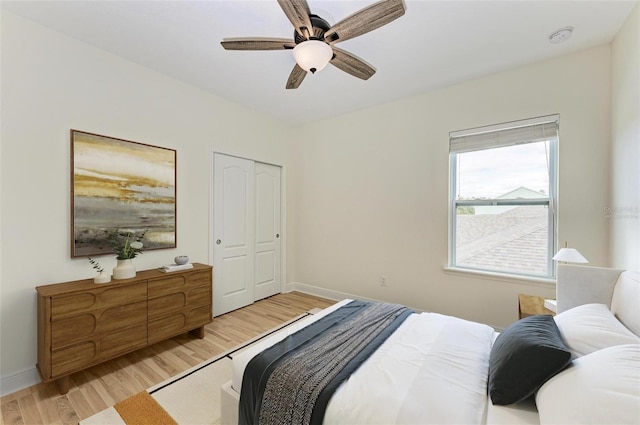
point(528, 130)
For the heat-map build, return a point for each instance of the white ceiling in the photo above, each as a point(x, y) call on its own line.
point(435, 44)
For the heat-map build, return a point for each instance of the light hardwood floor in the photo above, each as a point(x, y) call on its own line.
point(99, 387)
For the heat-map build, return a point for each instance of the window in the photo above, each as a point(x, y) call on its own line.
point(502, 197)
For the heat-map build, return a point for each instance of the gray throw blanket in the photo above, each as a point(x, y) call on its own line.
point(296, 383)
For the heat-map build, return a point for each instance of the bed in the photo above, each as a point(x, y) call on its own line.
point(583, 366)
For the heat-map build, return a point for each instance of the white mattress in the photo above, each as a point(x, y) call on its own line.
point(433, 369)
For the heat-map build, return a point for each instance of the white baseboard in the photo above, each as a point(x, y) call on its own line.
point(338, 296)
point(19, 380)
point(326, 293)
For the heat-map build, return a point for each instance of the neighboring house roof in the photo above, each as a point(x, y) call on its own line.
point(515, 240)
point(519, 193)
point(523, 193)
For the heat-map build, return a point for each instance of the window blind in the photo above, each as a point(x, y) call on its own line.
point(502, 135)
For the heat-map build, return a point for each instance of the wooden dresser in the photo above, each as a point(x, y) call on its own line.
point(81, 323)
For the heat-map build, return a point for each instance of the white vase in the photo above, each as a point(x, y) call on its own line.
point(102, 278)
point(124, 270)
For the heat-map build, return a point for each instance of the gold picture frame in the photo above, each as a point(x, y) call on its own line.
point(120, 185)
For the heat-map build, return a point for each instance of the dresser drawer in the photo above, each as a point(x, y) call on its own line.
point(177, 301)
point(70, 329)
point(178, 322)
point(175, 283)
point(97, 299)
point(95, 350)
point(167, 326)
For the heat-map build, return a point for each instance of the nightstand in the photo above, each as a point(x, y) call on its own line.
point(551, 305)
point(530, 305)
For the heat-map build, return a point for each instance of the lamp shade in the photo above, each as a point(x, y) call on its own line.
point(312, 55)
point(569, 255)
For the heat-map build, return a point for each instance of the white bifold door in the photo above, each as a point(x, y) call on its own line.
point(246, 232)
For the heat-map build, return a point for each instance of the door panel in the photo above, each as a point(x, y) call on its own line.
point(236, 190)
point(267, 247)
point(265, 263)
point(234, 270)
point(234, 233)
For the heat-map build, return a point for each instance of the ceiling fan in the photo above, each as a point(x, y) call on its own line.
point(314, 39)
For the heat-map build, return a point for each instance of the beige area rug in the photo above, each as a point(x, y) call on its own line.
point(190, 398)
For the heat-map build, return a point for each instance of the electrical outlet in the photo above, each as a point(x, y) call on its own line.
point(383, 281)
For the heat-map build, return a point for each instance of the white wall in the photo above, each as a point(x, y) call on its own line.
point(51, 83)
point(624, 213)
point(371, 187)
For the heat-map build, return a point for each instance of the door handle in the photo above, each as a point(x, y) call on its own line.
point(218, 242)
point(277, 235)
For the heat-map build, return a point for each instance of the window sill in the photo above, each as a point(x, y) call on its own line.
point(529, 280)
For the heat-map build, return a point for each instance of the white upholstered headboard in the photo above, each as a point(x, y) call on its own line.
point(625, 304)
point(618, 289)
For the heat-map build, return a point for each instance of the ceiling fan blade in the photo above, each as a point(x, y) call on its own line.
point(351, 64)
point(365, 20)
point(296, 77)
point(298, 13)
point(257, 43)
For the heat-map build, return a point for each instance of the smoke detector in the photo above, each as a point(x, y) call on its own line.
point(561, 35)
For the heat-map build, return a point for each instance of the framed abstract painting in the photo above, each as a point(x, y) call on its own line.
point(120, 186)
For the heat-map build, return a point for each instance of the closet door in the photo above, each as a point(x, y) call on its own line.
point(267, 247)
point(234, 233)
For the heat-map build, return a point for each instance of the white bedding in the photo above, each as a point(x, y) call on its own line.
point(433, 369)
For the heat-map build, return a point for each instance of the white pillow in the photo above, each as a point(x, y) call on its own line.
point(591, 327)
point(599, 388)
point(624, 303)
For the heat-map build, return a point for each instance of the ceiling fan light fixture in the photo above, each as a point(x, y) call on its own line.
point(312, 55)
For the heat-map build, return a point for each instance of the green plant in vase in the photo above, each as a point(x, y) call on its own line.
point(127, 244)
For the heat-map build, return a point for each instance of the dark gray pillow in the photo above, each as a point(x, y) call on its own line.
point(525, 356)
